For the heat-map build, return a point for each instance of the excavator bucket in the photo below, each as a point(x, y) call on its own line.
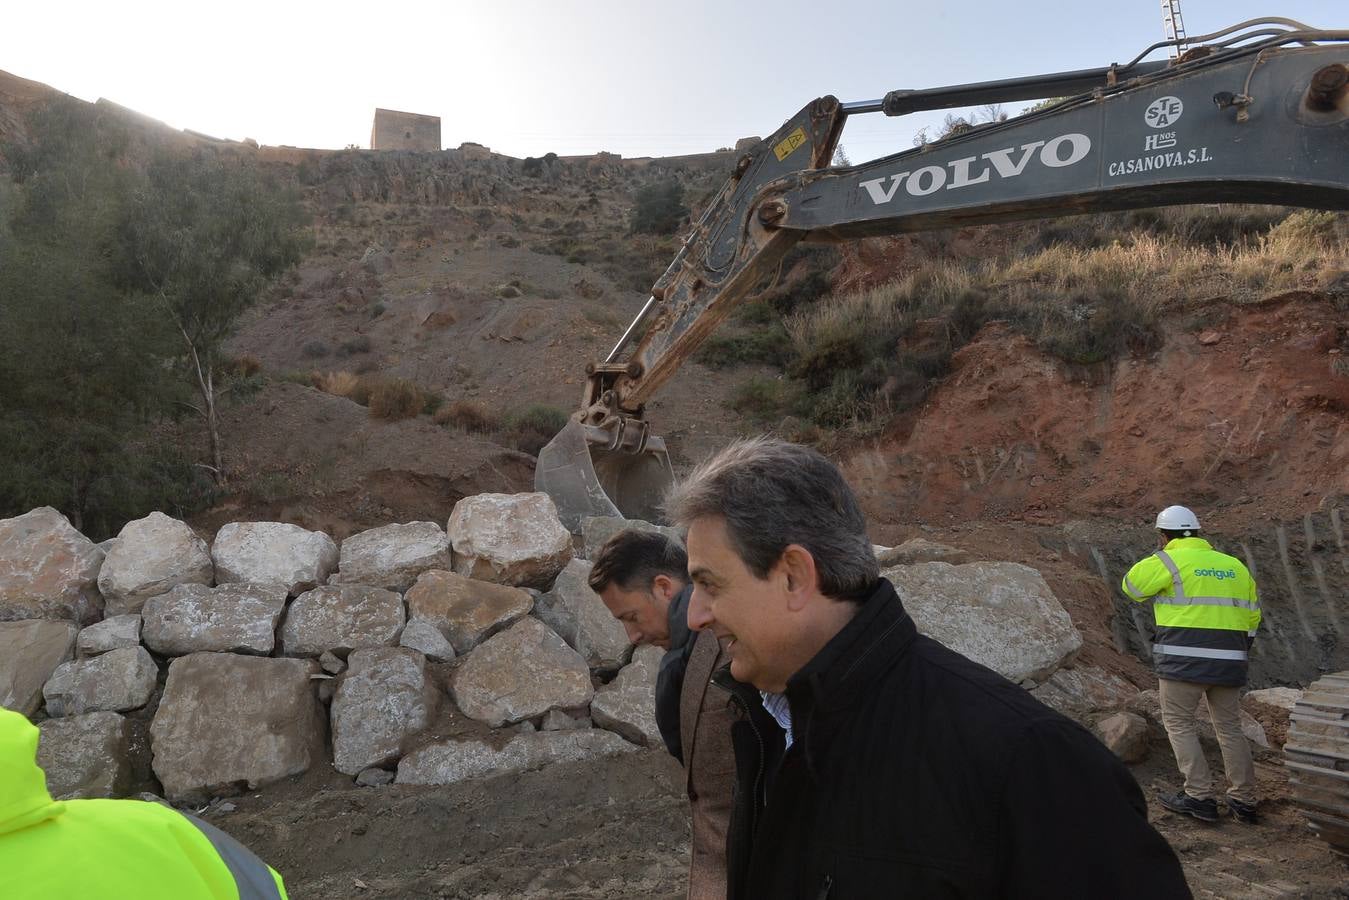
point(586, 478)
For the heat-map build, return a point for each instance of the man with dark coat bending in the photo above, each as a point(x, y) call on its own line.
point(911, 771)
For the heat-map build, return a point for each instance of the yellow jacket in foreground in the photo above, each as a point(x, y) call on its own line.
point(93, 849)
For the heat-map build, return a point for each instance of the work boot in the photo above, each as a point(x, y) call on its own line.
point(1203, 810)
point(1244, 813)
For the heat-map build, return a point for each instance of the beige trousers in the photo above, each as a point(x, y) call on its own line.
point(1180, 701)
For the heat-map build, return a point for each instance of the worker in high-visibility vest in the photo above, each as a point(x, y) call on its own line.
point(1207, 614)
point(94, 849)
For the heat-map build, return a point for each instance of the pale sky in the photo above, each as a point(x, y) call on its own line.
point(526, 77)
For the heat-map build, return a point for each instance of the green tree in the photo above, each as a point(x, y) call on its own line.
point(83, 369)
point(659, 208)
point(202, 237)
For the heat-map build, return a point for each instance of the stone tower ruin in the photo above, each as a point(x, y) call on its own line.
point(394, 130)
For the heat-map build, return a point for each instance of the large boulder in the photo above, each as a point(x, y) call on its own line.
point(466, 611)
point(152, 555)
point(48, 570)
point(341, 618)
point(513, 539)
point(580, 617)
point(382, 702)
point(232, 618)
point(30, 652)
point(392, 556)
point(596, 530)
point(227, 720)
point(627, 705)
point(110, 634)
point(117, 681)
point(1000, 614)
point(1081, 689)
point(449, 762)
point(86, 756)
point(273, 553)
point(520, 673)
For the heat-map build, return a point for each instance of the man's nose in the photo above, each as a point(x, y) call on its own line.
point(700, 614)
point(634, 633)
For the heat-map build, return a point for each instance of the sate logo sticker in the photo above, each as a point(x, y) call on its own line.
point(789, 144)
point(1163, 112)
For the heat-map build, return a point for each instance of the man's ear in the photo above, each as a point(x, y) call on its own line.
point(663, 588)
point(800, 578)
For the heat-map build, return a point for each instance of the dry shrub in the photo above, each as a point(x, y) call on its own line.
point(339, 384)
point(244, 366)
point(396, 398)
point(465, 414)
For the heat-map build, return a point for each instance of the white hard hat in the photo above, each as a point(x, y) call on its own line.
point(1177, 518)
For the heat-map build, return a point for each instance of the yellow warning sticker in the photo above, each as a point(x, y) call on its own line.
point(789, 144)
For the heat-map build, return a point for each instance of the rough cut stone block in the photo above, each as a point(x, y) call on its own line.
point(453, 761)
point(341, 618)
point(110, 634)
point(997, 613)
point(232, 618)
point(392, 556)
point(426, 639)
point(152, 555)
point(86, 757)
point(30, 652)
point(466, 611)
point(227, 720)
point(520, 673)
point(627, 705)
point(1282, 697)
point(1083, 689)
point(273, 553)
point(48, 570)
point(116, 681)
point(513, 539)
point(920, 550)
point(595, 530)
point(382, 702)
point(1126, 734)
point(580, 617)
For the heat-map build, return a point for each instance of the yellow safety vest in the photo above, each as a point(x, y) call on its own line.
point(1206, 609)
point(94, 849)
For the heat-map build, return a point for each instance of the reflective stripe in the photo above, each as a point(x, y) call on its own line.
point(1177, 585)
point(1207, 601)
point(251, 875)
point(1201, 652)
point(1130, 588)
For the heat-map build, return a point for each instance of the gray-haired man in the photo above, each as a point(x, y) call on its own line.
point(913, 771)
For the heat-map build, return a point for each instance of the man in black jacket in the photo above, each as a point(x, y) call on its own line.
point(909, 770)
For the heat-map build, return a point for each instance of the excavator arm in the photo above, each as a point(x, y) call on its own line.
point(1261, 117)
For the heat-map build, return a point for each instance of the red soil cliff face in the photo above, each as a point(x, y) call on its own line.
point(1247, 418)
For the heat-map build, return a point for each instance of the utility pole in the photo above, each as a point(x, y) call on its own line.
point(1174, 26)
